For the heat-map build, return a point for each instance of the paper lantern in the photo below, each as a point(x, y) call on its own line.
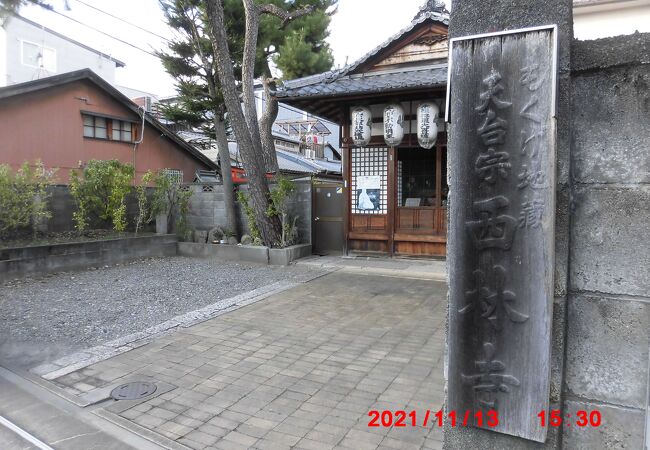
point(393, 124)
point(361, 125)
point(427, 127)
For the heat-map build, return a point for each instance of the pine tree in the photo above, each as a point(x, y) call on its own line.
point(255, 141)
point(199, 103)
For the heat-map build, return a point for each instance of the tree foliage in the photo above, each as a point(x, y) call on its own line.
point(298, 48)
point(23, 196)
point(9, 7)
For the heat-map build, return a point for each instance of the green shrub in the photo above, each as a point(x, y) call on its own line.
point(100, 194)
point(167, 198)
point(141, 194)
point(249, 212)
point(23, 197)
point(183, 207)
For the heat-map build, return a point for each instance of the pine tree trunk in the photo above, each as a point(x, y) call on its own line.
point(267, 119)
point(248, 71)
point(253, 162)
point(226, 173)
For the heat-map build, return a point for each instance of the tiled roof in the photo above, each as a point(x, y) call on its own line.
point(432, 76)
point(429, 15)
point(344, 82)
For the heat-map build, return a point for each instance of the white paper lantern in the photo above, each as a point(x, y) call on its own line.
point(361, 126)
point(427, 127)
point(393, 124)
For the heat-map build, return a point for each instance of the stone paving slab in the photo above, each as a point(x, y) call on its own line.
point(299, 369)
point(87, 357)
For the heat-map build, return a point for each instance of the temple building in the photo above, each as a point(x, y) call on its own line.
point(390, 106)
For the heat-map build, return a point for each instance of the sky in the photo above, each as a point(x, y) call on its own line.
point(356, 28)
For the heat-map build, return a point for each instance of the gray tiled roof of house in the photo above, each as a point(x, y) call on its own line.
point(344, 82)
point(432, 76)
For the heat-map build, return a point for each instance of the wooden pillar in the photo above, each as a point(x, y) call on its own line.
point(346, 160)
point(390, 195)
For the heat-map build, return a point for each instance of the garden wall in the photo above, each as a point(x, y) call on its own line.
point(62, 206)
point(19, 262)
point(207, 208)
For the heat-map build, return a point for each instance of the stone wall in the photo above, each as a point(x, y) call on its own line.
point(207, 208)
point(608, 321)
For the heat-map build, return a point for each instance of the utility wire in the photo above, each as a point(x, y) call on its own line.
point(122, 20)
point(99, 31)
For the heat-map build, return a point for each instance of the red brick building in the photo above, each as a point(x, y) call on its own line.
point(68, 119)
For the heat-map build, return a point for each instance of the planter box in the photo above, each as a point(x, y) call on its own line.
point(23, 261)
point(284, 256)
point(251, 253)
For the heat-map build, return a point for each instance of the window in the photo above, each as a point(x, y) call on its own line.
point(107, 128)
point(35, 55)
point(122, 131)
point(416, 177)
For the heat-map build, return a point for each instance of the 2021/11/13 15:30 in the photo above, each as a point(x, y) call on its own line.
point(582, 418)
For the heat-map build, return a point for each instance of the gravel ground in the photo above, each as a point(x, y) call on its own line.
point(44, 318)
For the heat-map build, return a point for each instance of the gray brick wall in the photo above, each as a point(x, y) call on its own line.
point(207, 208)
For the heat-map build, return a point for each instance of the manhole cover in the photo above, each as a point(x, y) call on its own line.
point(133, 391)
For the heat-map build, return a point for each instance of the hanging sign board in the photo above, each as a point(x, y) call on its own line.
point(501, 105)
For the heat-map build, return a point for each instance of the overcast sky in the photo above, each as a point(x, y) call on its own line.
point(358, 27)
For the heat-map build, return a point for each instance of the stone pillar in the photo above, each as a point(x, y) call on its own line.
point(470, 17)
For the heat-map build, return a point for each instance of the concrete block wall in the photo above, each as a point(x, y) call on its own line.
point(62, 206)
point(207, 208)
point(608, 320)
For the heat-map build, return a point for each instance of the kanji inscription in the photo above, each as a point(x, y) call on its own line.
point(501, 219)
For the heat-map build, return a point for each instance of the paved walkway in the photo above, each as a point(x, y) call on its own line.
point(300, 369)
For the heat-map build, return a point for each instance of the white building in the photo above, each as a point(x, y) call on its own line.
point(593, 19)
point(29, 51)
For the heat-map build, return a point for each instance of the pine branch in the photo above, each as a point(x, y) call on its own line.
point(286, 16)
